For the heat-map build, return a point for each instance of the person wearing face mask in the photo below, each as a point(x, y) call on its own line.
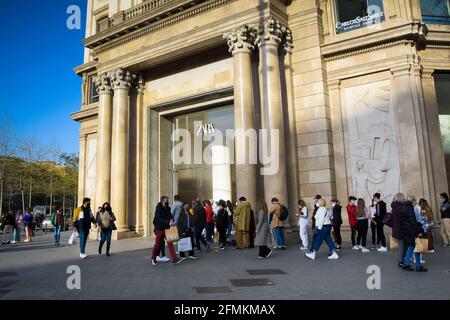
point(316, 207)
point(336, 221)
point(302, 215)
point(445, 218)
point(106, 223)
point(162, 221)
point(351, 211)
point(373, 225)
point(82, 219)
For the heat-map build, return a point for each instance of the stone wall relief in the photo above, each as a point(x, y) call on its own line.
point(372, 141)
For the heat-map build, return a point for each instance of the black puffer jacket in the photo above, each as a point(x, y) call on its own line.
point(199, 216)
point(162, 217)
point(410, 228)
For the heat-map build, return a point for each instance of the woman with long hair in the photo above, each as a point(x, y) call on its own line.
point(397, 233)
point(106, 223)
point(427, 217)
point(262, 230)
point(373, 225)
point(303, 223)
point(363, 225)
point(230, 211)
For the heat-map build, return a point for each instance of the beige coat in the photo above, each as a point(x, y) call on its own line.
point(275, 210)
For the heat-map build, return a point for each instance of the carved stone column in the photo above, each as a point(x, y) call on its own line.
point(241, 44)
point(103, 165)
point(290, 121)
point(121, 81)
point(140, 151)
point(272, 117)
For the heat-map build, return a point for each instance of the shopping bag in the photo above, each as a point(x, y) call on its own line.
point(421, 245)
point(185, 245)
point(73, 237)
point(393, 243)
point(172, 235)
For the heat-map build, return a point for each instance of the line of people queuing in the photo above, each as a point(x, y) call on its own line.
point(13, 224)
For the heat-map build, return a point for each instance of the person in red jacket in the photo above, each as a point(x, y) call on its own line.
point(351, 210)
point(209, 220)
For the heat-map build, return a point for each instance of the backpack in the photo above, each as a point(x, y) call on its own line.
point(284, 213)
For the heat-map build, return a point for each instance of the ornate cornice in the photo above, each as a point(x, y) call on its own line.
point(270, 33)
point(370, 49)
point(241, 39)
point(121, 79)
point(103, 83)
point(111, 39)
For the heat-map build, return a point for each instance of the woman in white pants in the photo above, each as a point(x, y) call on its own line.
point(303, 224)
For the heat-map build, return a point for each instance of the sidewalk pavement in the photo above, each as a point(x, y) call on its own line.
point(38, 271)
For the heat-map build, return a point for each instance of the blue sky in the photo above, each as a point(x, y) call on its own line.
point(38, 88)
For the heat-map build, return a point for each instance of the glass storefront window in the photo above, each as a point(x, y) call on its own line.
point(435, 11)
point(210, 174)
point(355, 14)
point(442, 83)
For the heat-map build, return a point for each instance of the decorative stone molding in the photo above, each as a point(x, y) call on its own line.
point(334, 84)
point(242, 39)
point(140, 84)
point(114, 38)
point(370, 49)
point(103, 83)
point(122, 79)
point(402, 70)
point(427, 73)
point(287, 42)
point(270, 33)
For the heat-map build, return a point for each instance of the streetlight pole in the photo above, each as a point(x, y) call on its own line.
point(23, 196)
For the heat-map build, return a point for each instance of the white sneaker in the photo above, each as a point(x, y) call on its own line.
point(165, 259)
point(13, 242)
point(355, 248)
point(83, 256)
point(303, 248)
point(159, 259)
point(382, 249)
point(334, 256)
point(431, 251)
point(365, 250)
point(311, 255)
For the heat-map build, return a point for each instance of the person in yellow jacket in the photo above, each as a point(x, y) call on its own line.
point(82, 219)
point(242, 214)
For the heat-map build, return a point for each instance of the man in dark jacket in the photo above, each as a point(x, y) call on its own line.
point(7, 226)
point(336, 221)
point(380, 213)
point(445, 218)
point(163, 219)
point(199, 225)
point(82, 219)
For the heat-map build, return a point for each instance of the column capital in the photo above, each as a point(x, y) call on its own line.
point(427, 72)
point(241, 39)
point(270, 33)
point(401, 70)
point(103, 84)
point(287, 42)
point(334, 84)
point(122, 79)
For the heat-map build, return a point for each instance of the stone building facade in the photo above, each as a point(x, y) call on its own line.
point(358, 92)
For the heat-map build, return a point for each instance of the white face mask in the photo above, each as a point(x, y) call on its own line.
point(333, 204)
point(354, 202)
point(317, 204)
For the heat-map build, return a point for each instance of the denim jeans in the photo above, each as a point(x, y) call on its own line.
point(323, 235)
point(105, 236)
point(409, 253)
point(83, 238)
point(230, 227)
point(57, 232)
point(17, 234)
point(279, 236)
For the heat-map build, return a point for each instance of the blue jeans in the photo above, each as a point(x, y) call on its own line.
point(105, 236)
point(16, 234)
point(230, 227)
point(279, 236)
point(322, 235)
point(409, 253)
point(83, 238)
point(57, 232)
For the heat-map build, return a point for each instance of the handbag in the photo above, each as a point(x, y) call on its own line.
point(393, 243)
point(113, 226)
point(185, 245)
point(172, 235)
point(421, 245)
point(389, 219)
